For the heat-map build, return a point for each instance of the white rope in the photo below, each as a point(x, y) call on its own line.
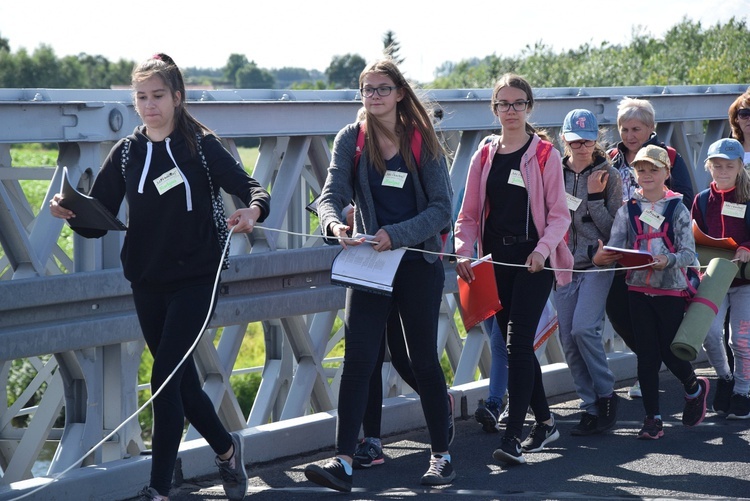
point(596, 270)
point(155, 393)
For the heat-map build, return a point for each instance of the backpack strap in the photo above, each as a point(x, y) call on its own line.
point(672, 154)
point(666, 233)
point(124, 156)
point(543, 149)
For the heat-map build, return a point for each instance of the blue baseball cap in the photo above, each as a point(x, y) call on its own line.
point(728, 148)
point(580, 125)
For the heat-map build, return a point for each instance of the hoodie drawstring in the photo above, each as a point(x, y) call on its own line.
point(147, 165)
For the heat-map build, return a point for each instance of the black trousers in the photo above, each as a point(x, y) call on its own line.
point(170, 322)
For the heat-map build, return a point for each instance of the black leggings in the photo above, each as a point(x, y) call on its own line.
point(170, 321)
point(657, 319)
point(417, 293)
point(523, 296)
point(396, 346)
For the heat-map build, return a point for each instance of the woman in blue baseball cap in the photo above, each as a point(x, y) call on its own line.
point(594, 195)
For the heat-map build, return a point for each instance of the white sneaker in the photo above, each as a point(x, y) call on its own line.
point(635, 390)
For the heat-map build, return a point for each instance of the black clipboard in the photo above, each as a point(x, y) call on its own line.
point(90, 212)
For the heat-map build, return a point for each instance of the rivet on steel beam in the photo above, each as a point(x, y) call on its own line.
point(115, 120)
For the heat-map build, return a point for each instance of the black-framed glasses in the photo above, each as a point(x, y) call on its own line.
point(382, 91)
point(502, 106)
point(578, 144)
point(743, 113)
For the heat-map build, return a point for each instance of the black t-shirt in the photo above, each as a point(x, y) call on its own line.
point(509, 211)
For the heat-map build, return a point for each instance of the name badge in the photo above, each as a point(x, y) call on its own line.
point(733, 210)
point(573, 202)
point(168, 180)
point(652, 218)
point(516, 179)
point(394, 179)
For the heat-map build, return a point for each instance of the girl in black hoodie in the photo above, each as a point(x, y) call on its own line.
point(167, 170)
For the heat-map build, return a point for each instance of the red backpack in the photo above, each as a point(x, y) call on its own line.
point(543, 149)
point(416, 149)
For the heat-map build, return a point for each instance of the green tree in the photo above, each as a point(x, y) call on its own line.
point(234, 63)
point(252, 77)
point(4, 44)
point(344, 71)
point(391, 47)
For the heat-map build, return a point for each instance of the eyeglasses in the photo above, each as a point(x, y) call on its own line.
point(502, 106)
point(743, 113)
point(382, 91)
point(576, 145)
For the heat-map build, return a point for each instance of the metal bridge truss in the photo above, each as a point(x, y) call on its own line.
point(72, 320)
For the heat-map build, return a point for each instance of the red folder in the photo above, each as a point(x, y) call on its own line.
point(478, 300)
point(631, 257)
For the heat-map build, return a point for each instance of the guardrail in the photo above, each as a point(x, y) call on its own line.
point(78, 329)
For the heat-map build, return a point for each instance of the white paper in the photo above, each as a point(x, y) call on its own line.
point(361, 266)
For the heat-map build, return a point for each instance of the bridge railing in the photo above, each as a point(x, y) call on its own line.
point(71, 318)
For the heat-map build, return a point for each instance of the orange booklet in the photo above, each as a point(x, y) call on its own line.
point(709, 241)
point(631, 257)
point(479, 300)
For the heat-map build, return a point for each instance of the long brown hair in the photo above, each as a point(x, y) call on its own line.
point(411, 113)
point(743, 101)
point(165, 68)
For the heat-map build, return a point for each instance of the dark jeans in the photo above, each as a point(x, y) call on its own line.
point(170, 322)
point(523, 296)
point(396, 346)
point(657, 319)
point(417, 293)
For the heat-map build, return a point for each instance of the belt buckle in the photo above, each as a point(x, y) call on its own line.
point(509, 239)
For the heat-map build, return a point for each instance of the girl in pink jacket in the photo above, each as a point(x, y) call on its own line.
point(514, 207)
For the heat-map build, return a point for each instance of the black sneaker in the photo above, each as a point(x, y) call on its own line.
point(368, 453)
point(509, 451)
point(331, 475)
point(451, 421)
point(695, 408)
point(587, 425)
point(607, 412)
point(440, 471)
point(488, 415)
point(723, 396)
point(739, 407)
point(652, 429)
point(150, 494)
point(540, 435)
point(232, 471)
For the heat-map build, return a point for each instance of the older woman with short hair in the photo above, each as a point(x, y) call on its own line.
point(636, 123)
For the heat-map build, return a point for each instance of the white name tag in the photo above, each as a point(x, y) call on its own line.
point(516, 179)
point(573, 202)
point(168, 180)
point(652, 218)
point(733, 210)
point(394, 179)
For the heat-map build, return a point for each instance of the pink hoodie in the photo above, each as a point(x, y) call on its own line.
point(549, 209)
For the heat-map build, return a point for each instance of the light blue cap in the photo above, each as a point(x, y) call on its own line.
point(580, 125)
point(727, 148)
